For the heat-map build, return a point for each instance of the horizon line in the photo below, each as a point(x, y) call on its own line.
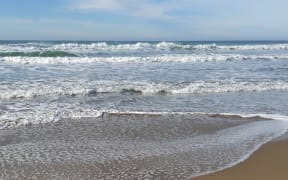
point(138, 40)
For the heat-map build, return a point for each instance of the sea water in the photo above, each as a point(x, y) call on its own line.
point(137, 110)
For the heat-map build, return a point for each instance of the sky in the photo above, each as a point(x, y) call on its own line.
point(143, 20)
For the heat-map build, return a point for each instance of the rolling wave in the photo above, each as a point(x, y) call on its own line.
point(61, 58)
point(171, 46)
point(34, 89)
point(38, 54)
point(143, 46)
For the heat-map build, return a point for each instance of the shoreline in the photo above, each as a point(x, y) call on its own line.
point(269, 162)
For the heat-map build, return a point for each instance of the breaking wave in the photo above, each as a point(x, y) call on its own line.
point(135, 46)
point(34, 89)
point(177, 58)
point(170, 46)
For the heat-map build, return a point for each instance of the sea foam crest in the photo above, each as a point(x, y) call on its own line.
point(170, 46)
point(183, 58)
point(62, 88)
point(104, 46)
point(41, 116)
point(166, 46)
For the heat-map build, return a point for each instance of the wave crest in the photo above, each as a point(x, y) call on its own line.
point(176, 58)
point(31, 90)
point(139, 46)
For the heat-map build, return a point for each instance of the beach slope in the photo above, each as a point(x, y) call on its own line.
point(268, 163)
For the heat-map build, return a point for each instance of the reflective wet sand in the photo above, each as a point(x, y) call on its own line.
point(130, 146)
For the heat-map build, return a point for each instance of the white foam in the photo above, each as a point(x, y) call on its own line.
point(177, 58)
point(201, 87)
point(139, 46)
point(45, 114)
point(61, 88)
point(165, 46)
point(30, 90)
point(278, 117)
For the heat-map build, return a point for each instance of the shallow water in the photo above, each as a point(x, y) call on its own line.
point(132, 146)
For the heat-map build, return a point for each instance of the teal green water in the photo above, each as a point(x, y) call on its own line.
point(38, 54)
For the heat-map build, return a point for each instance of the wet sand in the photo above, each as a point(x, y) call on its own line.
point(117, 147)
point(268, 163)
point(123, 146)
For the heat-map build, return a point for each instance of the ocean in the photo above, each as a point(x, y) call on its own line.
point(137, 110)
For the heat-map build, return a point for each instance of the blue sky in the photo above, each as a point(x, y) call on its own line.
point(144, 20)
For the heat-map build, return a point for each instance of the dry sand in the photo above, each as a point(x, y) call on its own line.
point(268, 163)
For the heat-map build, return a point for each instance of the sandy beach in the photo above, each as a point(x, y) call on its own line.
point(268, 163)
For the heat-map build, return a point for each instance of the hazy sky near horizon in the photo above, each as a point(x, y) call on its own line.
point(144, 20)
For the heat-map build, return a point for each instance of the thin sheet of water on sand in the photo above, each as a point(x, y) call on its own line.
point(131, 146)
